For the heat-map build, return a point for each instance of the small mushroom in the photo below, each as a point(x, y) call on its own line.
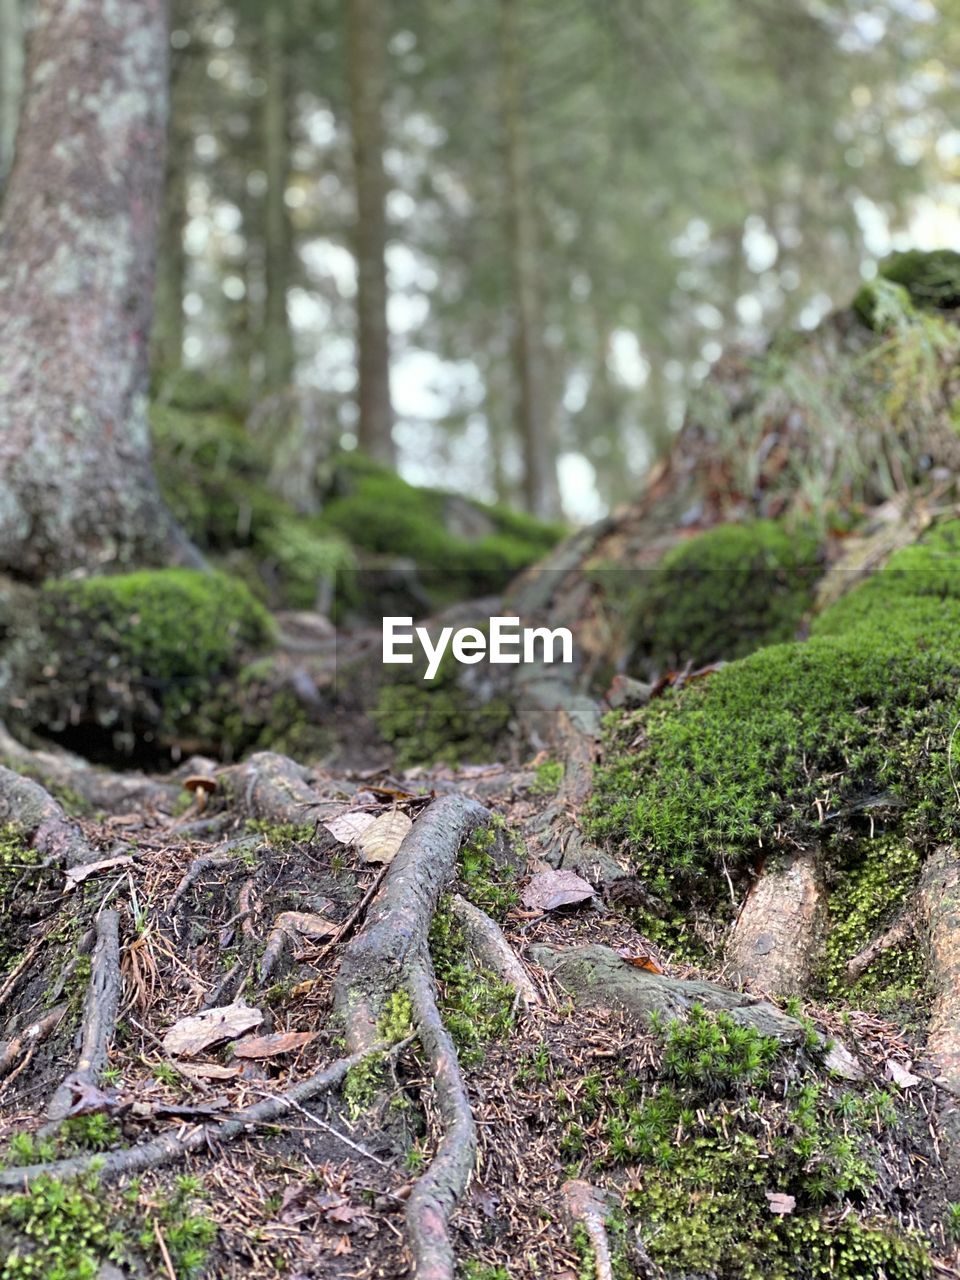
point(202, 787)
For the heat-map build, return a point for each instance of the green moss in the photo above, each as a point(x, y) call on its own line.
point(870, 888)
point(439, 720)
point(548, 777)
point(396, 1021)
point(363, 1084)
point(476, 1006)
point(931, 278)
point(488, 883)
point(714, 1052)
point(724, 593)
point(824, 737)
point(66, 1230)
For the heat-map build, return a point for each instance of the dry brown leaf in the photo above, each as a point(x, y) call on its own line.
point(208, 1071)
point(349, 827)
point(549, 890)
point(272, 1045)
point(77, 875)
point(384, 837)
point(192, 1035)
point(780, 1202)
point(307, 923)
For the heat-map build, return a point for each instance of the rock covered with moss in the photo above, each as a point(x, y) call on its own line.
point(128, 659)
point(930, 278)
point(723, 593)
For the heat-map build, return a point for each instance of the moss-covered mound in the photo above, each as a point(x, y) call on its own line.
point(215, 472)
point(745, 1160)
point(931, 279)
point(800, 741)
point(724, 593)
point(137, 654)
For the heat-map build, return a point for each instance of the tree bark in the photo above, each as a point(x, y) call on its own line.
point(76, 274)
point(278, 239)
point(533, 418)
point(168, 326)
point(11, 79)
point(366, 51)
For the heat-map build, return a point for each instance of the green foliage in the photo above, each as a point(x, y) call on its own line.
point(796, 736)
point(163, 624)
point(187, 1232)
point(489, 884)
point(930, 279)
point(363, 1083)
point(396, 1022)
point(723, 593)
point(548, 778)
point(472, 1270)
point(871, 887)
point(715, 1052)
point(476, 1005)
point(439, 720)
point(380, 513)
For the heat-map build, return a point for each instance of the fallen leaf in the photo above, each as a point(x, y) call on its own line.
point(307, 923)
point(86, 1099)
point(208, 1071)
point(842, 1063)
point(344, 1213)
point(272, 1045)
point(641, 961)
point(342, 1246)
point(77, 875)
point(780, 1202)
point(549, 890)
point(900, 1073)
point(192, 1035)
point(384, 837)
point(349, 827)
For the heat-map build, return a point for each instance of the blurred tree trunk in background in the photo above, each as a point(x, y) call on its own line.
point(278, 239)
point(76, 286)
point(168, 323)
point(533, 415)
point(366, 56)
point(11, 79)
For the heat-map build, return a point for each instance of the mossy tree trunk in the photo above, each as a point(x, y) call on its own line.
point(76, 274)
point(366, 52)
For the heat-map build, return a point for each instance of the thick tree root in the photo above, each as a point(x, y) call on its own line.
point(271, 787)
point(34, 812)
point(377, 961)
point(485, 939)
point(99, 1020)
point(585, 1208)
point(773, 942)
point(392, 953)
point(173, 1146)
point(940, 906)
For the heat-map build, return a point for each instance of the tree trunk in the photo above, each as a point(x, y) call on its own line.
point(11, 79)
point(76, 275)
point(277, 339)
point(533, 419)
point(366, 43)
point(172, 259)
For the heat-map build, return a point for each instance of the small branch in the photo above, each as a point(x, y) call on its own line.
point(99, 1018)
point(901, 929)
point(173, 1146)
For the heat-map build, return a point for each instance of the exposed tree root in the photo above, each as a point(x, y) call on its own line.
point(940, 905)
point(485, 938)
point(34, 812)
point(773, 942)
point(271, 787)
point(99, 1019)
point(173, 1146)
point(585, 1208)
point(377, 961)
point(16, 1052)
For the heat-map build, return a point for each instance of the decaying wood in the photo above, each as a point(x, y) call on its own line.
point(773, 943)
point(99, 1018)
point(584, 1207)
point(485, 939)
point(940, 907)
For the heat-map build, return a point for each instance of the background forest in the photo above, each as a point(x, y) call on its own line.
point(499, 243)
